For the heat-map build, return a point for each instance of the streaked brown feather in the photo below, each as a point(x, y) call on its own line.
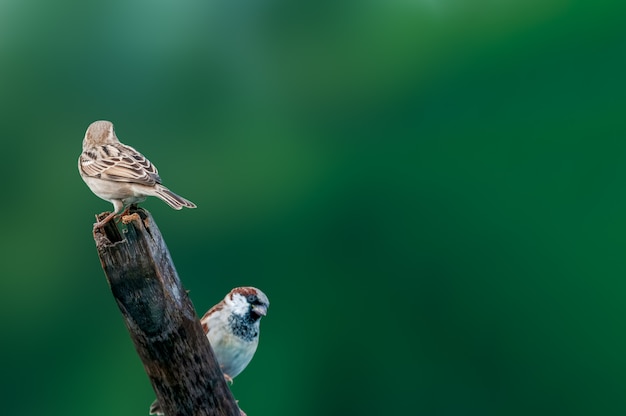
point(120, 163)
point(205, 318)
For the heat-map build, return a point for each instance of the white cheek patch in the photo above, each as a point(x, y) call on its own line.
point(239, 304)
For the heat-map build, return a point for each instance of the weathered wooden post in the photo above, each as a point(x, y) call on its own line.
point(161, 319)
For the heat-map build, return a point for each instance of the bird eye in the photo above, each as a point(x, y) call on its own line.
point(251, 298)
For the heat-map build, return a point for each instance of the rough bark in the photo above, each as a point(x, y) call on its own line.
point(161, 319)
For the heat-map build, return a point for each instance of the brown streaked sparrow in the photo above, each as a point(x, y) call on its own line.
point(119, 174)
point(232, 327)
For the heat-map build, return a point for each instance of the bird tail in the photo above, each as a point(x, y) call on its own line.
point(155, 408)
point(171, 199)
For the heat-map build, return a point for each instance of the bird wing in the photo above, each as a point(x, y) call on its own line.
point(119, 163)
point(205, 318)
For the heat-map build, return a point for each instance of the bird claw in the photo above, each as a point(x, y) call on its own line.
point(104, 221)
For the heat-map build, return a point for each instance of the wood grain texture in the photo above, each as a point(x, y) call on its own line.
point(161, 319)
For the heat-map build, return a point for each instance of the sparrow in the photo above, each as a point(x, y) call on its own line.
point(232, 327)
point(120, 174)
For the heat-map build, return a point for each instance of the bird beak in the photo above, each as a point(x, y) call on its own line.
point(260, 310)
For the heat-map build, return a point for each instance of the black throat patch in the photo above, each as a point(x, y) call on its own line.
point(244, 326)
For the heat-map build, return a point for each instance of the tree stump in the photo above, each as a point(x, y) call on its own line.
point(161, 319)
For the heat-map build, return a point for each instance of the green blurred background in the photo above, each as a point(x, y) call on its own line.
point(431, 192)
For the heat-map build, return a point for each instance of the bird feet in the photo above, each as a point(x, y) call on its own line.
point(104, 221)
